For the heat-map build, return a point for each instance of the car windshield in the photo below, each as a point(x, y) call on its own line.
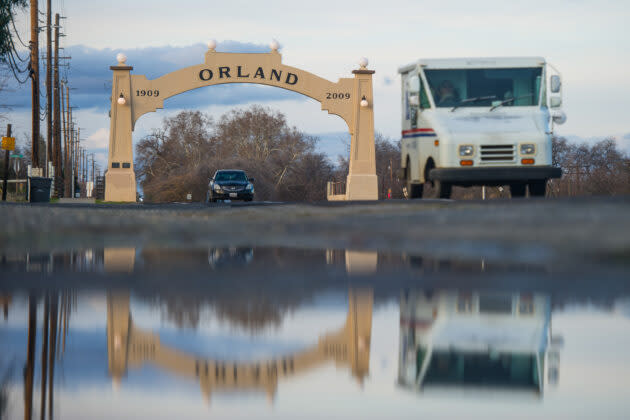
point(230, 176)
point(485, 87)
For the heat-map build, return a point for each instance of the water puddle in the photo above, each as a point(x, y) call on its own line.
point(291, 333)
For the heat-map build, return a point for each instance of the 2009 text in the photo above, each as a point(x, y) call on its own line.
point(337, 95)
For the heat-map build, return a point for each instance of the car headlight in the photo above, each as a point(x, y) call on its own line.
point(528, 149)
point(250, 187)
point(466, 150)
point(217, 188)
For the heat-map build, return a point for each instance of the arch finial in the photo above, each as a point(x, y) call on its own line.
point(121, 58)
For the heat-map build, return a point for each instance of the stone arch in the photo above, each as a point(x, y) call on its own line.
point(135, 95)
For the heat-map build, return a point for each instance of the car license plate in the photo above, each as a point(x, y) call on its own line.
point(233, 194)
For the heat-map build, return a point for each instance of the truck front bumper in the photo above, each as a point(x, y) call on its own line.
point(497, 175)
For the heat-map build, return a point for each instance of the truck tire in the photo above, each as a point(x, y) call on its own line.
point(438, 189)
point(414, 190)
point(538, 188)
point(518, 189)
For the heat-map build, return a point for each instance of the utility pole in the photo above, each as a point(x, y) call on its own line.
point(5, 178)
point(75, 172)
point(73, 147)
point(56, 103)
point(49, 130)
point(68, 148)
point(77, 151)
point(82, 163)
point(34, 85)
point(84, 173)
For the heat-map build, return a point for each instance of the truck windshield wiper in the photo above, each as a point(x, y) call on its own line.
point(493, 107)
point(476, 99)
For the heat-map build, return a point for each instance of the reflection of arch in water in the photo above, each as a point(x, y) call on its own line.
point(129, 346)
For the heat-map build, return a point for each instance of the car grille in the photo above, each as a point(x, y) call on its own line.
point(232, 188)
point(497, 153)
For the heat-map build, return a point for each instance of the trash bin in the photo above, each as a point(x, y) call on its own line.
point(40, 189)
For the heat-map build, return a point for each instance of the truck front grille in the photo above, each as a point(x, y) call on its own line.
point(497, 153)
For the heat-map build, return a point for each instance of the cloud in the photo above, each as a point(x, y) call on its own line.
point(90, 77)
point(98, 140)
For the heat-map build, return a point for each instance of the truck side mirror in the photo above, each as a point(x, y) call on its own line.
point(251, 180)
point(413, 84)
point(555, 101)
point(555, 83)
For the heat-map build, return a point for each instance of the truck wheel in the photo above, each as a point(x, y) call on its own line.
point(518, 190)
point(438, 189)
point(538, 188)
point(414, 190)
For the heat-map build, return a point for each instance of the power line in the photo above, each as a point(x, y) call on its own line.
point(17, 33)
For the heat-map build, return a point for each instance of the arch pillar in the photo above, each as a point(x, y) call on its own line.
point(120, 178)
point(362, 183)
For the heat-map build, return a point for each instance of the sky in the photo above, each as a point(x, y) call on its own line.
point(587, 41)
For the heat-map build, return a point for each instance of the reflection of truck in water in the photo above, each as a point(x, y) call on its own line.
point(483, 121)
point(473, 339)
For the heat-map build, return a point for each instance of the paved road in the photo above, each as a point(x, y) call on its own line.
point(577, 230)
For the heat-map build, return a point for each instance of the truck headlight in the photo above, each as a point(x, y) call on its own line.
point(528, 149)
point(250, 187)
point(217, 188)
point(466, 150)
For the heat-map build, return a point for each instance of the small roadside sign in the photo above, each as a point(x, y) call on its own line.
point(14, 155)
point(8, 143)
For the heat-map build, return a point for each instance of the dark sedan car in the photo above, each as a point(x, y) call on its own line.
point(230, 184)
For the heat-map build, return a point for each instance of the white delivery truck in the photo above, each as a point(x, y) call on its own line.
point(478, 121)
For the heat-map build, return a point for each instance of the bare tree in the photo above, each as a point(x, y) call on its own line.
point(180, 157)
point(597, 169)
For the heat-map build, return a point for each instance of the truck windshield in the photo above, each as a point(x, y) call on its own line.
point(513, 86)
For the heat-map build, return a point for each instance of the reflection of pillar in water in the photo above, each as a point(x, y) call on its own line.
point(361, 262)
point(359, 325)
point(5, 301)
point(119, 260)
point(118, 323)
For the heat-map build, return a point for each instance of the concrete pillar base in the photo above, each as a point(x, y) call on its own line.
point(362, 187)
point(120, 185)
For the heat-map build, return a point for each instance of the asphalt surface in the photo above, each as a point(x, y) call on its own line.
point(572, 230)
